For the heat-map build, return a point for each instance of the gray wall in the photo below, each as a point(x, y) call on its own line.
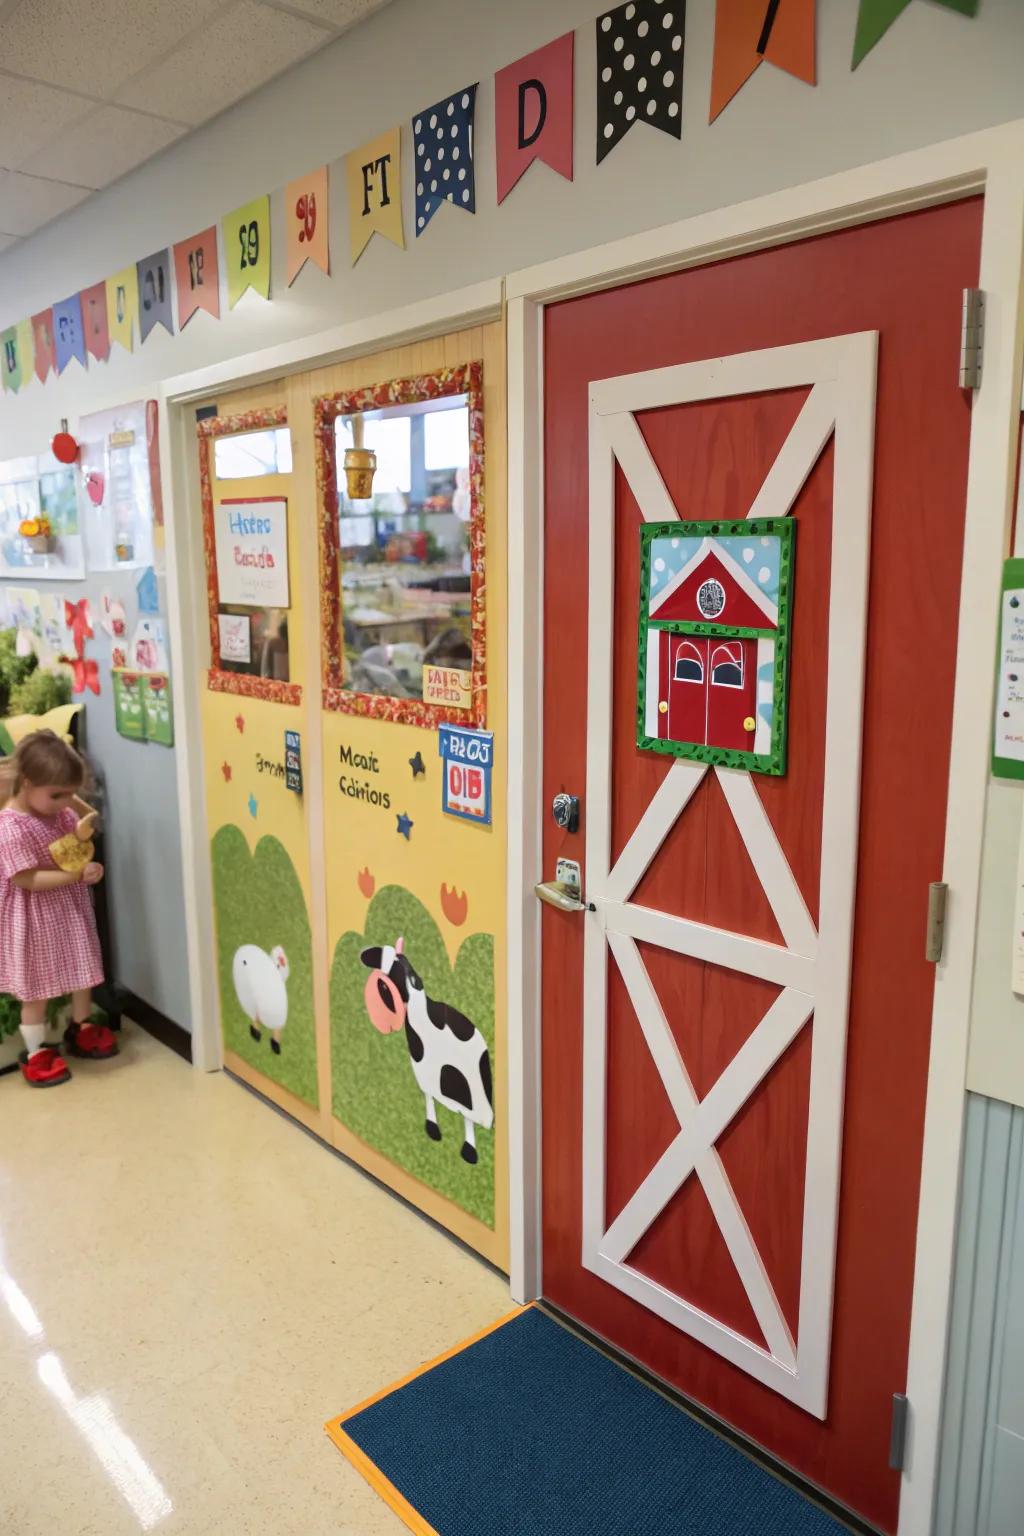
point(982, 1478)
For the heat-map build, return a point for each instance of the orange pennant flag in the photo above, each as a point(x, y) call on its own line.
point(306, 223)
point(748, 31)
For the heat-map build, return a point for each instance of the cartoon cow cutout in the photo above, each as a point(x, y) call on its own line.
point(261, 988)
point(448, 1054)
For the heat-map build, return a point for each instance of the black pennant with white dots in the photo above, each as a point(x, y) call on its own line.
point(639, 69)
point(443, 137)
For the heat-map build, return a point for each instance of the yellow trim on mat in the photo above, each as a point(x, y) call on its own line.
point(368, 1469)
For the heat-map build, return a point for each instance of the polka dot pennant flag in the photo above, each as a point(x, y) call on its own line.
point(639, 69)
point(443, 139)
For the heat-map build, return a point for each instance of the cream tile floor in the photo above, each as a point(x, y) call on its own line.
point(189, 1287)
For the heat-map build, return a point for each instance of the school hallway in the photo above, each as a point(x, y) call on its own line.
point(188, 1296)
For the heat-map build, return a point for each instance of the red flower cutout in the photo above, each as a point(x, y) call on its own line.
point(225, 769)
point(240, 724)
point(367, 884)
point(454, 904)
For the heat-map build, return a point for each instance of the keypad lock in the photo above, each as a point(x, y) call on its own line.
point(566, 811)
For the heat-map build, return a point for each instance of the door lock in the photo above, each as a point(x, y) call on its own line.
point(566, 811)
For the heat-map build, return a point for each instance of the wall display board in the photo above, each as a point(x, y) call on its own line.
point(120, 504)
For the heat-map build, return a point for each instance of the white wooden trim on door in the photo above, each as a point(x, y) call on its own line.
point(812, 967)
point(989, 162)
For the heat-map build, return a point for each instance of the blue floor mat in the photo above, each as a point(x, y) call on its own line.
point(529, 1431)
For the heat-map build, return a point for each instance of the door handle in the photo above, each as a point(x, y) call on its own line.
point(563, 897)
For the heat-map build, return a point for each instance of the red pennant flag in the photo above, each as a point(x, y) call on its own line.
point(533, 113)
point(42, 332)
point(94, 321)
point(197, 275)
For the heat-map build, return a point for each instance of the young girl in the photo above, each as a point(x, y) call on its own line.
point(48, 940)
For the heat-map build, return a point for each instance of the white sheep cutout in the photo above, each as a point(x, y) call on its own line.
point(261, 988)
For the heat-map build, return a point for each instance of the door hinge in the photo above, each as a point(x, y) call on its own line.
point(972, 338)
point(937, 893)
point(898, 1433)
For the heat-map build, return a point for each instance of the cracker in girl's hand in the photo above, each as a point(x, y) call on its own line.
point(70, 854)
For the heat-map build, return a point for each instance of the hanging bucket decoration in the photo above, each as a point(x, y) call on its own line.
point(360, 468)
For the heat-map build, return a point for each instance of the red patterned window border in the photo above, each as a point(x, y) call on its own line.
point(218, 681)
point(464, 380)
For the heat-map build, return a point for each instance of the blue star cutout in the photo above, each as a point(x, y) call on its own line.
point(404, 826)
point(254, 806)
point(418, 766)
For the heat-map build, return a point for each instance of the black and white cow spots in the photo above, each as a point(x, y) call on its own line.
point(448, 1054)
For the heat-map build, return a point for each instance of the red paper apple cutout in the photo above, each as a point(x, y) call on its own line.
point(64, 446)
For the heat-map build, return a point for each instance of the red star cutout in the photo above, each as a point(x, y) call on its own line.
point(225, 769)
point(240, 723)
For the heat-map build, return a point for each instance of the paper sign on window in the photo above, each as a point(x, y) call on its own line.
point(714, 641)
point(252, 552)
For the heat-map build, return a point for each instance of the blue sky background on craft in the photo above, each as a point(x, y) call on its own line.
point(759, 557)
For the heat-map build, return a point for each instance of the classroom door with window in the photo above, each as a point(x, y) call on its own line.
point(736, 1038)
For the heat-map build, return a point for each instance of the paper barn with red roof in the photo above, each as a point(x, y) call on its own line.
point(714, 641)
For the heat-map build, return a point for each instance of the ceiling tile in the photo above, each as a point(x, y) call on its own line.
point(336, 13)
point(6, 241)
point(111, 141)
point(32, 116)
point(96, 47)
point(241, 50)
point(27, 202)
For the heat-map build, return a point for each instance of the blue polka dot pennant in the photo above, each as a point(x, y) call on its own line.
point(443, 140)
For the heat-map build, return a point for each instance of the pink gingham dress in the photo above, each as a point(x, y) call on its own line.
point(48, 939)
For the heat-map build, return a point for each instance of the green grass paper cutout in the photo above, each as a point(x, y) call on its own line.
point(257, 899)
point(375, 1093)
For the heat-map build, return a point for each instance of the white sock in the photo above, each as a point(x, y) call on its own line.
point(33, 1036)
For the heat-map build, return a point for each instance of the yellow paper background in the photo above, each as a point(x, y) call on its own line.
point(301, 250)
point(255, 275)
point(121, 330)
point(382, 220)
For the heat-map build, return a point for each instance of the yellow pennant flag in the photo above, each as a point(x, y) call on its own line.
point(374, 179)
point(123, 306)
point(247, 249)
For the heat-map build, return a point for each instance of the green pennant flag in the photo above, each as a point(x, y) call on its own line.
point(875, 17)
point(10, 359)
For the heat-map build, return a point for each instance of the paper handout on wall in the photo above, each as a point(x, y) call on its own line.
point(639, 70)
point(197, 276)
point(533, 113)
point(373, 175)
point(94, 321)
point(68, 334)
point(747, 32)
point(155, 293)
point(443, 136)
point(123, 305)
point(42, 336)
point(714, 641)
point(251, 540)
point(875, 17)
point(307, 224)
point(247, 249)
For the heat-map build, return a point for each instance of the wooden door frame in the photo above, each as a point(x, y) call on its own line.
point(989, 163)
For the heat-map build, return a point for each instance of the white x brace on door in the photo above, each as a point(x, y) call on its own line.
point(812, 967)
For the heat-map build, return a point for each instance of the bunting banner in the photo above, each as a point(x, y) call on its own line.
point(68, 333)
point(373, 178)
point(306, 223)
point(154, 273)
point(197, 276)
point(749, 31)
point(26, 350)
point(639, 70)
point(123, 306)
point(443, 136)
point(10, 360)
point(42, 344)
point(533, 113)
point(247, 249)
point(875, 17)
point(94, 321)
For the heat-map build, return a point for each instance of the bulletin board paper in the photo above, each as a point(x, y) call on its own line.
point(235, 637)
point(1008, 729)
point(252, 552)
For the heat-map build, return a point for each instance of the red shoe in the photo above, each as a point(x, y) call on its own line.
point(45, 1069)
point(94, 1042)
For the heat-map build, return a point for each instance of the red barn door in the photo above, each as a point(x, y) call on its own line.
point(735, 1042)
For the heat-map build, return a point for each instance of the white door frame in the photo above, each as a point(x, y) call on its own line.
point(991, 162)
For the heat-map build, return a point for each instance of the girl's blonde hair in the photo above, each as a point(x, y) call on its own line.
point(40, 759)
